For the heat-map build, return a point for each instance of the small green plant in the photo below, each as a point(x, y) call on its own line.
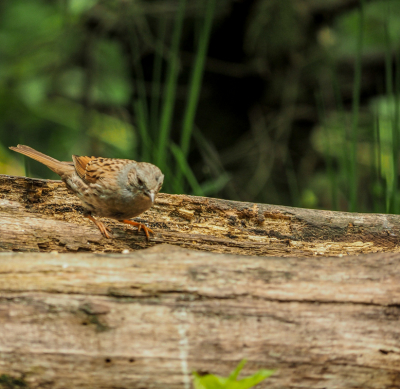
point(211, 381)
point(8, 382)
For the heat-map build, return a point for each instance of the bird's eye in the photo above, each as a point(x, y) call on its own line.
point(140, 182)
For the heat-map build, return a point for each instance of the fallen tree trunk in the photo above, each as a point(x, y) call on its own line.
point(149, 318)
point(40, 215)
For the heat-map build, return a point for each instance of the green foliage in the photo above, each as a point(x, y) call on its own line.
point(48, 99)
point(361, 147)
point(106, 77)
point(68, 88)
point(155, 120)
point(211, 381)
point(381, 18)
point(8, 382)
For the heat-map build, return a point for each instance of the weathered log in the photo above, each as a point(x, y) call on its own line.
point(41, 215)
point(146, 319)
point(149, 318)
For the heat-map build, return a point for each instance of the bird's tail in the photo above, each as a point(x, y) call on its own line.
point(52, 163)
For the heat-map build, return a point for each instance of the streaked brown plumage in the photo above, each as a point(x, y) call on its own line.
point(116, 188)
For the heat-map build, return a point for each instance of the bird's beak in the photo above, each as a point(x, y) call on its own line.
point(151, 194)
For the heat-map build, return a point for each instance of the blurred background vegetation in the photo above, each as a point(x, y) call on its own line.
point(291, 102)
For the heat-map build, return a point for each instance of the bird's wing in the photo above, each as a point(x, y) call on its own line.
point(81, 164)
point(92, 169)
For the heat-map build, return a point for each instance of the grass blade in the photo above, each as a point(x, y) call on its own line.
point(170, 89)
point(156, 79)
point(197, 76)
point(186, 170)
point(356, 106)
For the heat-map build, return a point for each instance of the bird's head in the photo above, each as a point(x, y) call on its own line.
point(146, 179)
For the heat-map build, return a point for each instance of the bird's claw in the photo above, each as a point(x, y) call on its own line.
point(146, 229)
point(105, 231)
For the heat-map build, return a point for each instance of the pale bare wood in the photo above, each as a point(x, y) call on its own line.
point(40, 215)
point(147, 319)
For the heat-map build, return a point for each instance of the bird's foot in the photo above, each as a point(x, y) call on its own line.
point(140, 226)
point(105, 231)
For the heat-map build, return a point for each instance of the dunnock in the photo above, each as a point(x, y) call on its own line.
point(115, 188)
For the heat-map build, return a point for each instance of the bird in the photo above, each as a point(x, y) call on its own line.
point(107, 187)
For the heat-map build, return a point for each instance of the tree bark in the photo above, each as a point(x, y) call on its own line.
point(41, 215)
point(149, 318)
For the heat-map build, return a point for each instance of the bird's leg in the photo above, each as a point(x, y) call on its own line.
point(139, 226)
point(105, 231)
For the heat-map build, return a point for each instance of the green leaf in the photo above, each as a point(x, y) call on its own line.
point(211, 381)
point(238, 369)
point(251, 381)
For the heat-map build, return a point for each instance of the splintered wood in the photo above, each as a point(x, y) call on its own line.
point(41, 215)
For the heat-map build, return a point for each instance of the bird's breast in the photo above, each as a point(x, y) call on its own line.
point(120, 206)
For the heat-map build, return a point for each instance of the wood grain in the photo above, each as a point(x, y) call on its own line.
point(41, 215)
point(149, 318)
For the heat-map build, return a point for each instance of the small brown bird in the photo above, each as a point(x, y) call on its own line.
point(115, 188)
